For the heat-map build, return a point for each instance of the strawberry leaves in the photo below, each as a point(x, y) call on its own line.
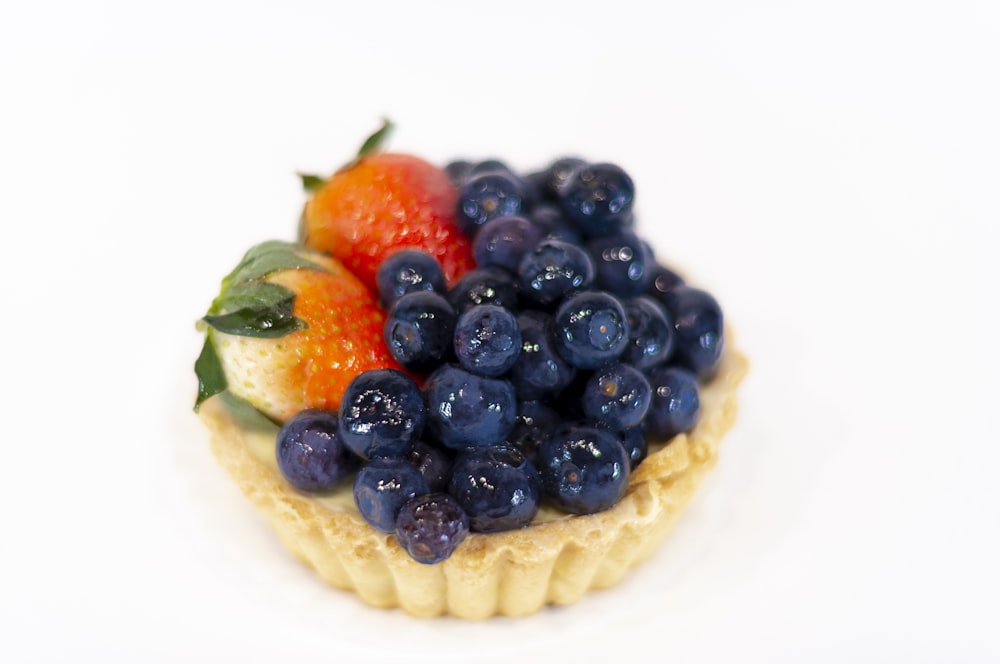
point(211, 379)
point(376, 141)
point(311, 183)
point(265, 258)
point(248, 306)
point(256, 309)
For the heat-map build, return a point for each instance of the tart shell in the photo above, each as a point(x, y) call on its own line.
point(555, 560)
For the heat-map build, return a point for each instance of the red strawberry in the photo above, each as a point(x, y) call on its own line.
point(383, 203)
point(289, 331)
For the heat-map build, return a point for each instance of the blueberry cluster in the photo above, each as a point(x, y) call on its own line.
point(544, 371)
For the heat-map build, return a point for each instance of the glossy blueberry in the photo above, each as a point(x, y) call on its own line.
point(497, 487)
point(484, 285)
point(408, 271)
point(430, 527)
point(584, 469)
point(487, 196)
point(539, 371)
point(487, 340)
point(617, 394)
point(491, 165)
point(633, 440)
point(382, 486)
point(662, 280)
point(598, 198)
point(636, 446)
point(558, 173)
point(310, 452)
point(433, 462)
point(532, 194)
point(676, 405)
point(552, 269)
point(651, 333)
point(650, 252)
point(504, 241)
point(466, 410)
point(418, 330)
point(590, 329)
point(554, 226)
point(698, 327)
point(535, 422)
point(621, 263)
point(535, 182)
point(458, 170)
point(381, 413)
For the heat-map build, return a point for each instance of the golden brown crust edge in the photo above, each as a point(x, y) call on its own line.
point(513, 573)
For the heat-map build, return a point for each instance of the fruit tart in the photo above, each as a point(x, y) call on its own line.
point(466, 390)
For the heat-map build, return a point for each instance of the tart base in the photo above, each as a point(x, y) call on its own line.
point(555, 560)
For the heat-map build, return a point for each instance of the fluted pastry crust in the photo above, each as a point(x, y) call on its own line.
point(555, 560)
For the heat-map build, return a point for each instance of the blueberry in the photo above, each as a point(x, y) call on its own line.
point(633, 440)
point(310, 452)
point(430, 527)
point(552, 269)
point(699, 329)
point(418, 330)
point(487, 340)
point(458, 170)
point(433, 462)
point(408, 271)
point(590, 329)
point(558, 173)
point(466, 410)
point(584, 469)
point(553, 224)
point(382, 486)
point(651, 333)
point(504, 240)
point(636, 446)
point(539, 371)
point(484, 285)
point(535, 422)
point(622, 263)
point(662, 280)
point(598, 198)
point(491, 165)
point(675, 407)
point(530, 188)
point(618, 394)
point(497, 487)
point(381, 413)
point(487, 196)
point(535, 182)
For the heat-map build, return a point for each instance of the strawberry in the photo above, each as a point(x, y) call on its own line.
point(289, 330)
point(382, 203)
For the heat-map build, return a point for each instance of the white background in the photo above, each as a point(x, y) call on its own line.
point(829, 170)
